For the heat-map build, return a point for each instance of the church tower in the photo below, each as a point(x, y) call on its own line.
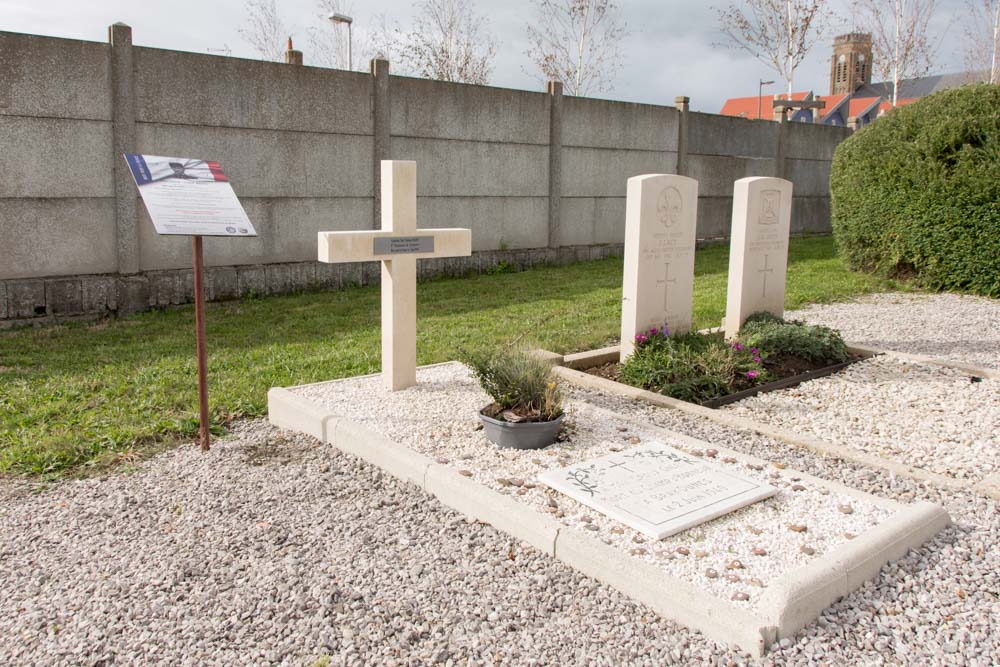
point(851, 65)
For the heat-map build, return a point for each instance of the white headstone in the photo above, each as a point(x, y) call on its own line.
point(758, 250)
point(656, 489)
point(661, 215)
point(399, 244)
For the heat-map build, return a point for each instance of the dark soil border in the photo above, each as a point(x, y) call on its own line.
point(784, 383)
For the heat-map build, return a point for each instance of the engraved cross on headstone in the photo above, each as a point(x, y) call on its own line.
point(666, 281)
point(399, 244)
point(764, 271)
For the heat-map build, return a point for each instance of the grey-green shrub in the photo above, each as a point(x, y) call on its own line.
point(515, 378)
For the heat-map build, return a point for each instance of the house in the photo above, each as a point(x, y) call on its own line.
point(852, 94)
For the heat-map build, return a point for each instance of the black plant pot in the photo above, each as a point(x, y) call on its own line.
point(520, 435)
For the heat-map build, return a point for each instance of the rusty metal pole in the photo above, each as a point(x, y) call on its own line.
point(199, 326)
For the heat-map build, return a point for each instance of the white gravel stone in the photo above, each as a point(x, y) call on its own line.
point(276, 549)
point(923, 415)
point(437, 418)
point(954, 327)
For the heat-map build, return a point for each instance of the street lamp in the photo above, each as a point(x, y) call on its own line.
point(340, 18)
point(760, 91)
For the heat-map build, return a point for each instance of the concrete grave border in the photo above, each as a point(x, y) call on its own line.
point(568, 368)
point(791, 602)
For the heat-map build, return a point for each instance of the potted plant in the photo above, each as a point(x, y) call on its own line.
point(526, 412)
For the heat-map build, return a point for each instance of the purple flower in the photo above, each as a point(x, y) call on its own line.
point(754, 350)
point(757, 359)
point(752, 374)
point(653, 331)
point(640, 338)
point(738, 347)
point(666, 332)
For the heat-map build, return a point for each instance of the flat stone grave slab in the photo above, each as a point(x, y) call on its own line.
point(657, 490)
point(748, 578)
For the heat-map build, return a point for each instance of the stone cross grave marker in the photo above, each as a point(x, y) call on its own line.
point(399, 244)
point(758, 251)
point(661, 214)
point(656, 489)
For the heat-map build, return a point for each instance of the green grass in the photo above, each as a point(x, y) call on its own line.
point(88, 394)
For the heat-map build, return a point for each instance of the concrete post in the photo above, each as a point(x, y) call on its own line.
point(780, 115)
point(292, 57)
point(683, 105)
point(853, 123)
point(123, 141)
point(555, 91)
point(380, 128)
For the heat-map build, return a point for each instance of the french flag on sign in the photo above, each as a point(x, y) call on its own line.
point(148, 169)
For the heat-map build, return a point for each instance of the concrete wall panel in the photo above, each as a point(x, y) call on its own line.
point(621, 125)
point(57, 237)
point(444, 110)
point(812, 141)
point(200, 89)
point(810, 215)
point(593, 220)
point(597, 172)
point(715, 215)
point(716, 174)
point(810, 178)
point(265, 163)
point(286, 231)
point(52, 157)
point(56, 78)
point(725, 135)
point(470, 168)
point(496, 222)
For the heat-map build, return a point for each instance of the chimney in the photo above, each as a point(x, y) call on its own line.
point(292, 57)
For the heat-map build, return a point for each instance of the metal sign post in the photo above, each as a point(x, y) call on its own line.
point(199, 329)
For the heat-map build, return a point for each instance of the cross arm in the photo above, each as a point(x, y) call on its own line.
point(382, 245)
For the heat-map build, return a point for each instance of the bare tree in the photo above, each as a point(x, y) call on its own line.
point(982, 45)
point(901, 45)
point(577, 42)
point(778, 33)
point(448, 41)
point(264, 30)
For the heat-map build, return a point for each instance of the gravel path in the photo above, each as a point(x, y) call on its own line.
point(923, 415)
point(955, 327)
point(274, 549)
point(437, 419)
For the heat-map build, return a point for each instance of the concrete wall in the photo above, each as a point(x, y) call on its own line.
point(536, 176)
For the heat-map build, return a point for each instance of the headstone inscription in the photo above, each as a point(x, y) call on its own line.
point(660, 221)
point(656, 489)
point(399, 244)
point(758, 251)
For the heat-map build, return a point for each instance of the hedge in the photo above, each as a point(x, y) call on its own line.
point(917, 193)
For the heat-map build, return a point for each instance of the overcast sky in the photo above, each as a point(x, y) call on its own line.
point(674, 47)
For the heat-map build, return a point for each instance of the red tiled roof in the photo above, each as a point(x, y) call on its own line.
point(746, 107)
point(860, 105)
point(831, 102)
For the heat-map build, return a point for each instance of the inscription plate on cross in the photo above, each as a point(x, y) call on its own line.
point(398, 245)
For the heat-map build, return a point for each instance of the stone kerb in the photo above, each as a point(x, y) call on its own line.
point(797, 598)
point(758, 255)
point(661, 216)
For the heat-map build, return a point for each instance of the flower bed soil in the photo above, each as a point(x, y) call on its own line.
point(787, 371)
